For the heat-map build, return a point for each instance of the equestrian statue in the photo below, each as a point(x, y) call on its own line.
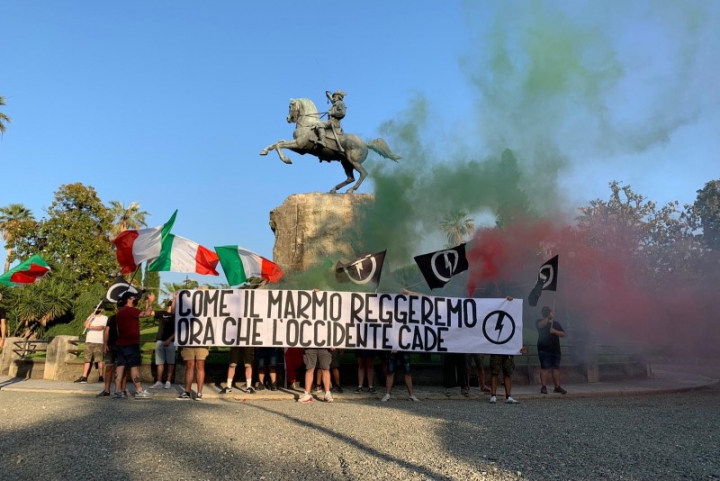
point(327, 141)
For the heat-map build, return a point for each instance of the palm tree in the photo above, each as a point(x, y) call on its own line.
point(10, 217)
point(4, 119)
point(456, 226)
point(126, 218)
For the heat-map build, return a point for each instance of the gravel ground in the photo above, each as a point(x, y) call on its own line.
point(62, 436)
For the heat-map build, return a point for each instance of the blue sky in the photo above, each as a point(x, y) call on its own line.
point(169, 103)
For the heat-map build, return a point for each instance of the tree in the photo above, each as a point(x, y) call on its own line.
point(456, 226)
point(124, 218)
point(4, 119)
point(706, 213)
point(11, 217)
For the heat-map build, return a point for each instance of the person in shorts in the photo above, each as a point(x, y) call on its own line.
point(320, 359)
point(247, 354)
point(194, 358)
point(128, 342)
point(267, 359)
point(165, 345)
point(478, 360)
point(110, 358)
point(548, 345)
point(93, 352)
point(394, 358)
point(366, 367)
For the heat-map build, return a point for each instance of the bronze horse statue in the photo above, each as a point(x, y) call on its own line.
point(351, 152)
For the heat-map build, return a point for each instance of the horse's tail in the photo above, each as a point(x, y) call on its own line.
point(379, 146)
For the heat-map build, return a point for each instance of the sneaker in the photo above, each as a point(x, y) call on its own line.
point(305, 398)
point(157, 385)
point(447, 393)
point(465, 391)
point(318, 388)
point(198, 396)
point(120, 395)
point(413, 399)
point(493, 399)
point(103, 394)
point(543, 390)
point(328, 397)
point(185, 396)
point(168, 385)
point(81, 380)
point(101, 379)
point(372, 390)
point(261, 387)
point(273, 387)
point(385, 398)
point(338, 389)
point(358, 390)
point(560, 390)
point(510, 400)
point(144, 394)
point(226, 390)
point(249, 390)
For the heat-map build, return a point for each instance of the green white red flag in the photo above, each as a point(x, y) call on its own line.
point(137, 246)
point(28, 272)
point(183, 255)
point(241, 264)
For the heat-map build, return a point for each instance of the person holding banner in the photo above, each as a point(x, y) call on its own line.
point(248, 357)
point(506, 364)
point(321, 359)
point(548, 345)
point(393, 358)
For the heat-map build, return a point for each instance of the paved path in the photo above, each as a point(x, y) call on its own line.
point(661, 381)
point(59, 431)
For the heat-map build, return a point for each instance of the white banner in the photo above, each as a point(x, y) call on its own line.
point(350, 320)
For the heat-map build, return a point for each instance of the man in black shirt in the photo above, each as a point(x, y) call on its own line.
point(548, 345)
point(165, 346)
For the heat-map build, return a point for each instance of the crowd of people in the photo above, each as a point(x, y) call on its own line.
point(115, 343)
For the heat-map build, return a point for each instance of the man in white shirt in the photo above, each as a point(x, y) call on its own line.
point(95, 325)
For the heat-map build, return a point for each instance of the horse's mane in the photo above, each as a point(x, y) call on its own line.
point(307, 107)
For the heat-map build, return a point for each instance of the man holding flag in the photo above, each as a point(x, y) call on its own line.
point(548, 345)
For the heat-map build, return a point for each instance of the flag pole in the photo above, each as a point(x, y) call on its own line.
point(101, 300)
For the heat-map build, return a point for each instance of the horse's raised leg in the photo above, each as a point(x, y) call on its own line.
point(363, 173)
point(350, 176)
point(277, 146)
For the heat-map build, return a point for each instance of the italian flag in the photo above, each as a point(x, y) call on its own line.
point(26, 272)
point(137, 246)
point(241, 264)
point(183, 255)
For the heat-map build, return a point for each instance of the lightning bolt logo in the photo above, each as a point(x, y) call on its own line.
point(499, 324)
point(504, 327)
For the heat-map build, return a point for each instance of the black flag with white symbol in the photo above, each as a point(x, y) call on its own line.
point(365, 270)
point(547, 280)
point(119, 287)
point(438, 267)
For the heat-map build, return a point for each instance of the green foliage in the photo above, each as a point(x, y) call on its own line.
point(4, 119)
point(124, 218)
point(12, 218)
point(456, 226)
point(706, 214)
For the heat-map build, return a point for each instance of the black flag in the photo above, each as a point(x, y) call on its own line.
point(361, 271)
point(547, 280)
point(119, 287)
point(438, 267)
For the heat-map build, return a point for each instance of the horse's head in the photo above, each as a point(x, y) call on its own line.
point(293, 111)
point(302, 112)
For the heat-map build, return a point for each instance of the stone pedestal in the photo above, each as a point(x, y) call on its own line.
point(310, 228)
point(56, 368)
point(9, 356)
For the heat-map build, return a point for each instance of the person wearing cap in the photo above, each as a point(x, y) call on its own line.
point(335, 115)
point(548, 345)
point(128, 341)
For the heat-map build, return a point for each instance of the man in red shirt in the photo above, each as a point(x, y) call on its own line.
point(128, 341)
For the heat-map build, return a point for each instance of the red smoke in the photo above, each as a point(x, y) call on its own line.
point(607, 292)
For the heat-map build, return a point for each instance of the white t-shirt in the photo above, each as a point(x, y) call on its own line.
point(94, 336)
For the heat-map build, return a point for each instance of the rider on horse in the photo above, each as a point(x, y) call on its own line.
point(335, 114)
